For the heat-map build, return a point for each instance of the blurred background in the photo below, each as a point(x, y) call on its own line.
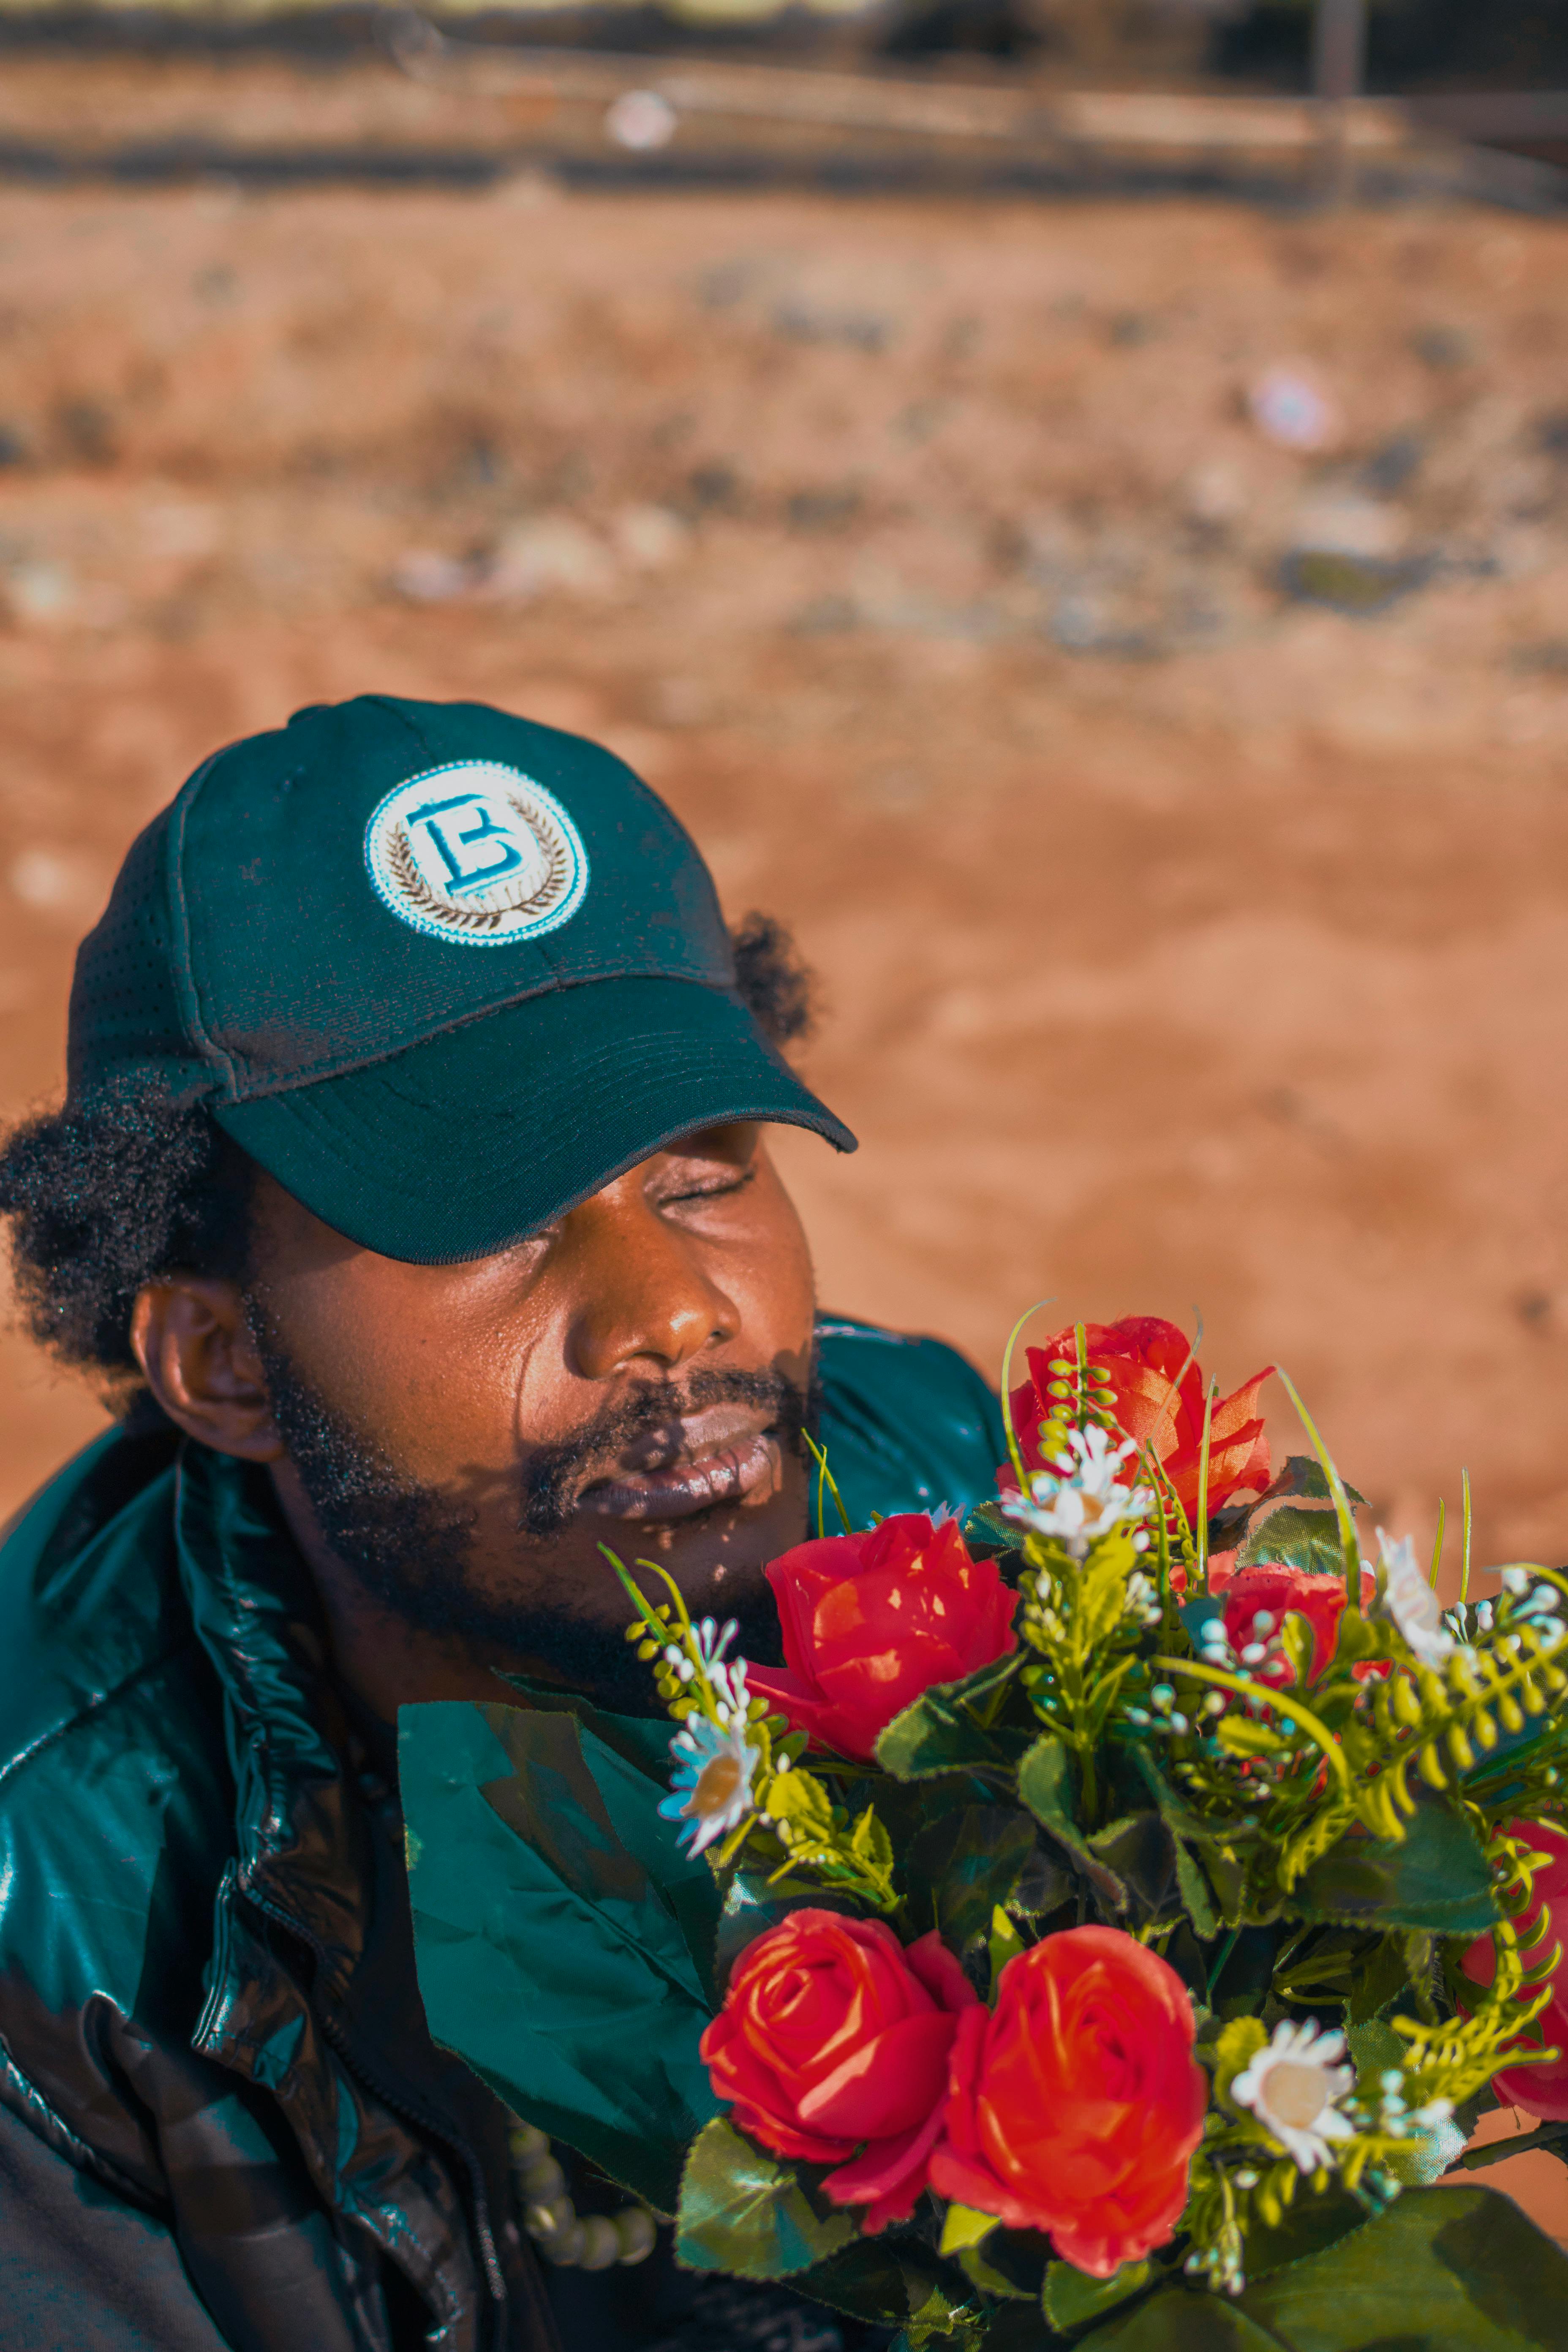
point(1068, 498)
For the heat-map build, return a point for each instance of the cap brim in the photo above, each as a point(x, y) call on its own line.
point(460, 1146)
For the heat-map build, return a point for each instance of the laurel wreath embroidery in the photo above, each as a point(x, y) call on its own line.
point(412, 885)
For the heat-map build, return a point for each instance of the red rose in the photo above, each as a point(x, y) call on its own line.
point(1144, 1357)
point(1076, 2102)
point(1540, 2091)
point(872, 1621)
point(832, 2036)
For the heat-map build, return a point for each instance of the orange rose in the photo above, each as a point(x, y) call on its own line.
point(1156, 1403)
point(1076, 2103)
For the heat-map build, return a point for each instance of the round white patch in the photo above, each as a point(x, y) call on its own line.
point(476, 853)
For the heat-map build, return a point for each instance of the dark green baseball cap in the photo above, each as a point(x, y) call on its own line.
point(442, 971)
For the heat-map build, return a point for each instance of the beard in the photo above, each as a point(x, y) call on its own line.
point(411, 1547)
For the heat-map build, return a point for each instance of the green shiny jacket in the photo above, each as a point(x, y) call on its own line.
point(222, 2120)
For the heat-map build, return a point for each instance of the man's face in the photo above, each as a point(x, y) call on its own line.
point(465, 1439)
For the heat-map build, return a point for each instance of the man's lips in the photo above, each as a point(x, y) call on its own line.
point(719, 1457)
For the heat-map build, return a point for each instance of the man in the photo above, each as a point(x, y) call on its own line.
point(412, 1194)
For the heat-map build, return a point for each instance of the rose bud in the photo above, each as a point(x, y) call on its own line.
point(1156, 1403)
point(833, 2038)
point(1540, 2091)
point(872, 1621)
point(1076, 2102)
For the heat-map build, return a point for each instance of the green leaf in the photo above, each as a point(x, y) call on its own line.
point(1211, 1882)
point(1305, 2228)
point(976, 2266)
point(1143, 1853)
point(1046, 1785)
point(1290, 1537)
point(870, 2278)
point(939, 1734)
point(965, 2225)
point(1303, 1474)
point(1435, 1879)
point(987, 1525)
point(1380, 1978)
point(1444, 2270)
point(944, 2318)
point(1070, 2299)
point(1005, 1944)
point(800, 1799)
point(1373, 2048)
point(749, 2213)
point(968, 1862)
point(869, 1843)
point(1197, 1900)
point(554, 1920)
point(1188, 2319)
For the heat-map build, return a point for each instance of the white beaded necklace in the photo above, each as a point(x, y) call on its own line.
point(588, 2242)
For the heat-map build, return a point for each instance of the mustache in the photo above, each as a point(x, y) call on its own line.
point(552, 1476)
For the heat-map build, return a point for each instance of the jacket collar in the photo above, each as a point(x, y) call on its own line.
point(303, 1840)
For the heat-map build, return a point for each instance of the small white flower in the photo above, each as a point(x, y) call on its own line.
point(1083, 1498)
point(1410, 1601)
point(1294, 2086)
point(710, 1788)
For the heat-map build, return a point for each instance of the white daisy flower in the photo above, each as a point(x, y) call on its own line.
point(711, 1787)
point(1294, 2085)
point(1410, 1601)
point(1084, 1498)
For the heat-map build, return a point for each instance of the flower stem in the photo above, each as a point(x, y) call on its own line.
point(1203, 1527)
point(825, 1478)
point(1015, 1453)
point(1465, 1573)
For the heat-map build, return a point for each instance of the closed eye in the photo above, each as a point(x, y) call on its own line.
point(713, 1191)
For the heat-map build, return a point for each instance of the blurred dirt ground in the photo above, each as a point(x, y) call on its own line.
point(1184, 941)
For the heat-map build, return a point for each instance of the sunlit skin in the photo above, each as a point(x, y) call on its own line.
point(694, 1259)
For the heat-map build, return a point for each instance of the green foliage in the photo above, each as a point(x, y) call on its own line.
point(1303, 1474)
point(1441, 2271)
point(1435, 1877)
point(1295, 1537)
point(749, 2213)
point(948, 1729)
point(969, 1861)
point(1071, 2300)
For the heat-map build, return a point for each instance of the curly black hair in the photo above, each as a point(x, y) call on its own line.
point(108, 1194)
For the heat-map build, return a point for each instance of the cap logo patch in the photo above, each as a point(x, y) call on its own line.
point(476, 853)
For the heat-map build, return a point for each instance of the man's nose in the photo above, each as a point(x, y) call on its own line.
point(646, 1299)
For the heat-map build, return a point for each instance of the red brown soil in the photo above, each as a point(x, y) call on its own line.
point(1169, 961)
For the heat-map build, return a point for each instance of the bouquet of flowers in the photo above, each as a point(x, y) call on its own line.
point(1104, 1929)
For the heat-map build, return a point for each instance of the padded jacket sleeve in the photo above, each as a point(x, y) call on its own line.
point(81, 2271)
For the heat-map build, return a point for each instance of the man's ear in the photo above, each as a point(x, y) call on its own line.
point(194, 1347)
